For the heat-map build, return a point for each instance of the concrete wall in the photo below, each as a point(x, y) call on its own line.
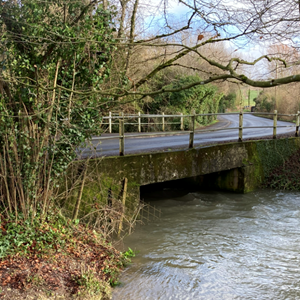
point(239, 167)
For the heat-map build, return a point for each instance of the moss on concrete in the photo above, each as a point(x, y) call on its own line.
point(246, 165)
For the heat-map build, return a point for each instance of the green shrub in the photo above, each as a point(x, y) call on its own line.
point(200, 99)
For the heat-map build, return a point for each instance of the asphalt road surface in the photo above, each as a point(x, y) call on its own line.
point(154, 143)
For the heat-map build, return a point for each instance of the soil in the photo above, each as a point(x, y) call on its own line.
point(81, 270)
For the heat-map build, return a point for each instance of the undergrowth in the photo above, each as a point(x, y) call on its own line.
point(58, 256)
point(285, 177)
point(34, 235)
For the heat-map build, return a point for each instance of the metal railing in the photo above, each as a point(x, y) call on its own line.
point(139, 117)
point(120, 121)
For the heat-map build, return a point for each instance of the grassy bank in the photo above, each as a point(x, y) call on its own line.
point(54, 258)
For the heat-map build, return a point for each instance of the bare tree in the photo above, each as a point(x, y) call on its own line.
point(228, 24)
point(200, 35)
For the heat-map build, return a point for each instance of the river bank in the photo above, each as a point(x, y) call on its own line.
point(56, 259)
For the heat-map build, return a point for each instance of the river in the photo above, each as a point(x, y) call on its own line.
point(216, 245)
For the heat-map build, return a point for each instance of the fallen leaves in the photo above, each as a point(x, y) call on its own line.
point(62, 269)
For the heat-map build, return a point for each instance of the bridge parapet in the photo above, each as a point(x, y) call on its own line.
point(123, 120)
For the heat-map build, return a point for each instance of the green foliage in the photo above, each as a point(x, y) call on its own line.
point(54, 55)
point(227, 102)
point(123, 261)
point(33, 235)
point(89, 284)
point(253, 95)
point(264, 102)
point(286, 175)
point(200, 99)
point(127, 255)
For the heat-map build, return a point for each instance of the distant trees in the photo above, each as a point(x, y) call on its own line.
point(265, 102)
point(284, 98)
point(198, 99)
point(210, 42)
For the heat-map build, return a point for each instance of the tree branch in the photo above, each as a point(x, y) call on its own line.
point(169, 34)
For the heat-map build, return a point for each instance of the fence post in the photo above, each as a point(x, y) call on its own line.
point(181, 122)
point(109, 121)
point(241, 127)
point(124, 194)
point(121, 135)
point(274, 124)
point(139, 121)
point(192, 133)
point(163, 122)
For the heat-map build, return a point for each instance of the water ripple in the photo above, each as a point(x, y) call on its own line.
point(217, 246)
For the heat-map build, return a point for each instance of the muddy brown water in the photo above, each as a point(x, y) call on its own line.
point(216, 245)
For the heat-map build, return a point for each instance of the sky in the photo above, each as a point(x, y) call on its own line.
point(178, 12)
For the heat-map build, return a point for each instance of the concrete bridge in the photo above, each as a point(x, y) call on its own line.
point(238, 167)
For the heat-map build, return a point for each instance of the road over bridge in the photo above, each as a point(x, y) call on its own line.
point(180, 140)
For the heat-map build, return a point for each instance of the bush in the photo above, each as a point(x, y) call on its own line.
point(264, 102)
point(200, 99)
point(227, 102)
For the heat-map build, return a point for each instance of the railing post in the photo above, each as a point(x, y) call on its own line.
point(163, 122)
point(297, 124)
point(121, 135)
point(109, 121)
point(274, 124)
point(192, 133)
point(139, 122)
point(241, 127)
point(181, 122)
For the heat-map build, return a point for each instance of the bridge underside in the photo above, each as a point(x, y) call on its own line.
point(239, 180)
point(238, 167)
point(234, 180)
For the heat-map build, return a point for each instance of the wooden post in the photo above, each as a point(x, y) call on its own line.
point(121, 135)
point(297, 123)
point(110, 125)
point(124, 194)
point(78, 201)
point(139, 122)
point(181, 122)
point(192, 133)
point(274, 124)
point(241, 127)
point(163, 122)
